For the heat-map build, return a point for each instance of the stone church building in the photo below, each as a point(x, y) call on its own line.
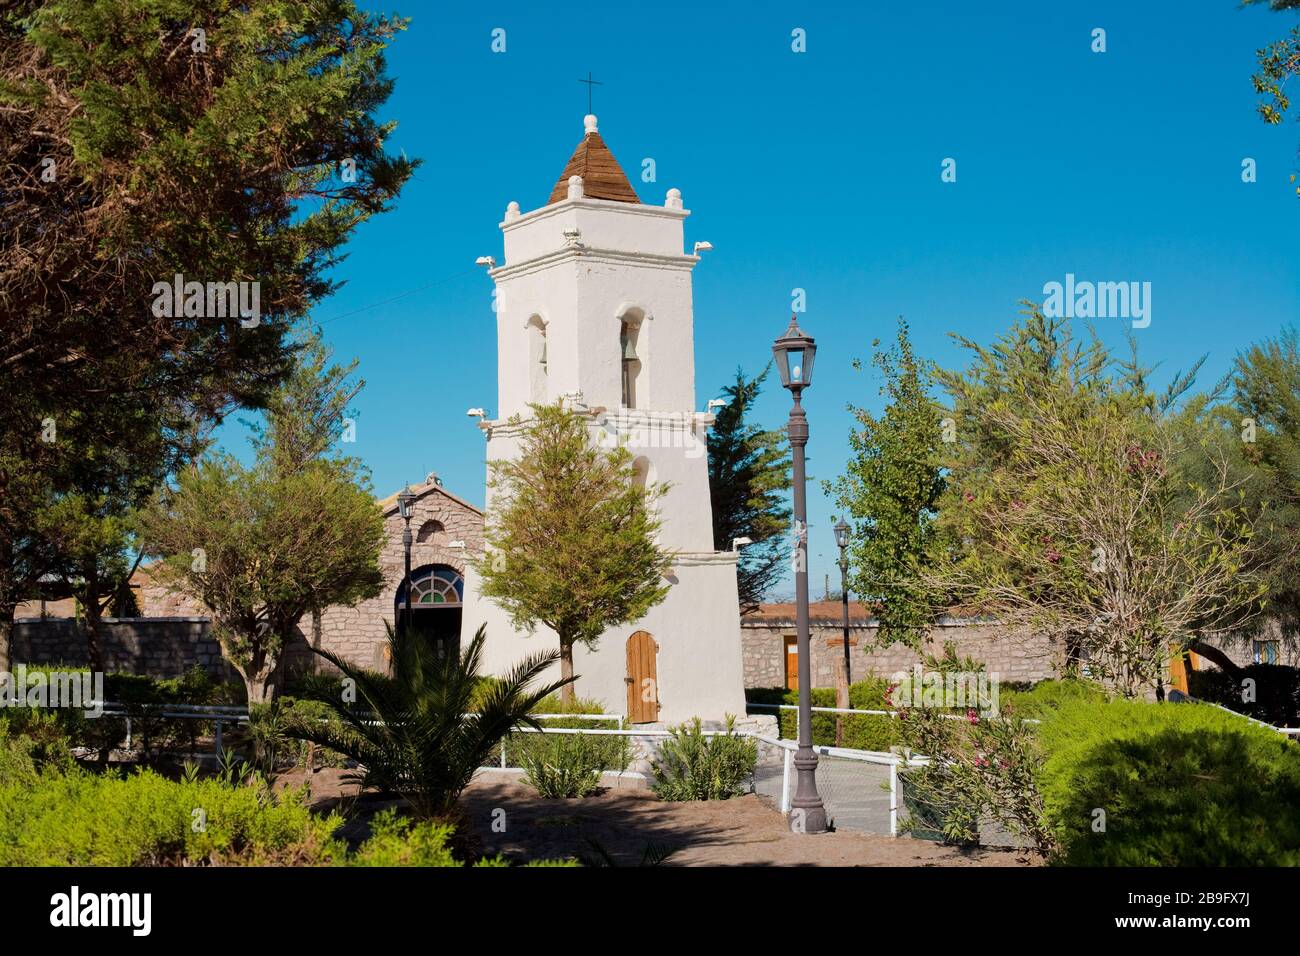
point(594, 307)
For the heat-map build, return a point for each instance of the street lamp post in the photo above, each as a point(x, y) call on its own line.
point(406, 507)
point(794, 352)
point(842, 539)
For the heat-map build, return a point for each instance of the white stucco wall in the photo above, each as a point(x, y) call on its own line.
point(700, 669)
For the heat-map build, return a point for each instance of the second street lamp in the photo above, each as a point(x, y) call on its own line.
point(794, 352)
point(842, 539)
point(405, 508)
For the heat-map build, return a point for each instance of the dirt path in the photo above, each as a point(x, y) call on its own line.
point(744, 831)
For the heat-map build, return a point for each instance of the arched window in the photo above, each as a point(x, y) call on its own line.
point(628, 335)
point(641, 472)
point(432, 532)
point(437, 586)
point(537, 371)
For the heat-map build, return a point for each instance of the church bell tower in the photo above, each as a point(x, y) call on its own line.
point(594, 306)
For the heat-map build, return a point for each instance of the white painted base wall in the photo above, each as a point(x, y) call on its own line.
point(697, 628)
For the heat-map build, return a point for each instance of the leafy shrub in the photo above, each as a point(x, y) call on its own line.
point(554, 704)
point(1180, 784)
point(399, 841)
point(949, 662)
point(693, 766)
point(396, 841)
point(58, 814)
point(16, 764)
point(861, 731)
point(1046, 697)
point(611, 752)
point(980, 770)
point(85, 819)
point(1276, 692)
point(142, 698)
point(563, 765)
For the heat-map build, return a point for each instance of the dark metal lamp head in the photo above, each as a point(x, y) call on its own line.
point(794, 352)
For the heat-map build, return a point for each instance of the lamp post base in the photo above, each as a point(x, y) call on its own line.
point(807, 813)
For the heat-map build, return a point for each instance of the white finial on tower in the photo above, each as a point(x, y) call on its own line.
point(512, 211)
point(575, 187)
point(674, 199)
point(589, 123)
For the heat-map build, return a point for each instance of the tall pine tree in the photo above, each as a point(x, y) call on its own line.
point(749, 475)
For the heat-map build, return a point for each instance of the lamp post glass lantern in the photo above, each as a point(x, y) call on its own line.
point(794, 352)
point(405, 508)
point(842, 539)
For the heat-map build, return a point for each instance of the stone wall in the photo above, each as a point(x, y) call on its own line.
point(158, 647)
point(1015, 656)
point(439, 521)
point(358, 633)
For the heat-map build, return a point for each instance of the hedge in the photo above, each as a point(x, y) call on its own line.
point(1179, 785)
point(1276, 692)
point(861, 731)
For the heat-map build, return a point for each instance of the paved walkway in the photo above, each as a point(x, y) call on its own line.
point(856, 794)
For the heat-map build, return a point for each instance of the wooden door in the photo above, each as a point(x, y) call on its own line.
point(791, 662)
point(642, 679)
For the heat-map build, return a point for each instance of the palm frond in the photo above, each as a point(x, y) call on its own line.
point(421, 732)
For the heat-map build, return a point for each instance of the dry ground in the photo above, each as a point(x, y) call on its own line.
point(744, 831)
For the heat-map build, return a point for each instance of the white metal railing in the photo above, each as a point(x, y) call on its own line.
point(891, 760)
point(219, 715)
point(1287, 731)
point(873, 713)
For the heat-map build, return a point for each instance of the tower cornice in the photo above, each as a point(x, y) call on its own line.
point(652, 260)
point(586, 202)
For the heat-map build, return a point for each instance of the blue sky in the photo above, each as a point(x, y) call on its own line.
point(821, 170)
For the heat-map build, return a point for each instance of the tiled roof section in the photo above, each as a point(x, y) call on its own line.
point(819, 612)
point(602, 176)
point(824, 613)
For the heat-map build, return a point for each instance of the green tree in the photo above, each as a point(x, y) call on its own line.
point(1279, 63)
point(263, 545)
point(141, 139)
point(1069, 509)
point(891, 488)
point(1265, 430)
point(749, 474)
point(571, 535)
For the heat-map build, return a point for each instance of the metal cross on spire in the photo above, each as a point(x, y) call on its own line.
point(590, 83)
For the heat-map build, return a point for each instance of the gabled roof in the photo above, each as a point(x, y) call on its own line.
point(431, 485)
point(602, 176)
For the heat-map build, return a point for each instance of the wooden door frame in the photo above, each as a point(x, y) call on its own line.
point(634, 702)
point(789, 641)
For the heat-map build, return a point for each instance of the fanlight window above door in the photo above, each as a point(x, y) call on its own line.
point(437, 587)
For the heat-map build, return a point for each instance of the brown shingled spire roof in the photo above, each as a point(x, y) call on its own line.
point(602, 176)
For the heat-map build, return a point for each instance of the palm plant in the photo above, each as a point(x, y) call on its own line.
point(422, 731)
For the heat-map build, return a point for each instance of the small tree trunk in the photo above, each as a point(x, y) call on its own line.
point(1210, 652)
point(566, 672)
point(258, 687)
point(94, 646)
point(315, 639)
point(256, 672)
point(6, 637)
point(841, 699)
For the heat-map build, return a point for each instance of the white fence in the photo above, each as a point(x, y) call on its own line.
point(848, 785)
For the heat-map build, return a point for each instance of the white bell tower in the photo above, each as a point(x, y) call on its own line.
point(594, 305)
